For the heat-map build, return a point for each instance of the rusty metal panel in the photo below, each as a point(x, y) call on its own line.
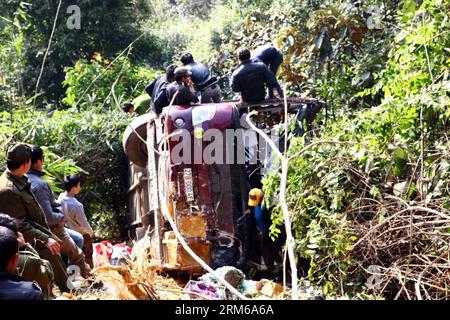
point(170, 245)
point(152, 173)
point(192, 225)
point(152, 189)
point(176, 258)
point(200, 248)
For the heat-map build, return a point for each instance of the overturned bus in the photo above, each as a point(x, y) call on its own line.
point(212, 158)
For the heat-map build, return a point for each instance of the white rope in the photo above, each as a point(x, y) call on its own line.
point(284, 207)
point(46, 52)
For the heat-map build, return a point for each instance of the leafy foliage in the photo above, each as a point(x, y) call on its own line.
point(200, 9)
point(73, 145)
point(101, 84)
point(330, 185)
point(12, 56)
point(101, 21)
point(86, 136)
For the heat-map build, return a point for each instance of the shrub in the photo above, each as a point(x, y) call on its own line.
point(117, 82)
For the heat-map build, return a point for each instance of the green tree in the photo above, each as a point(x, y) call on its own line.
point(12, 57)
point(337, 191)
point(106, 26)
point(195, 9)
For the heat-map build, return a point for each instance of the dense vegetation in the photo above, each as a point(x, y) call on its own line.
point(381, 66)
point(388, 149)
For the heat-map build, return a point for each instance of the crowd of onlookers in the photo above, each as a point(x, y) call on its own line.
point(40, 235)
point(193, 82)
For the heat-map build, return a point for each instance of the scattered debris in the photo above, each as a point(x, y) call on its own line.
point(269, 288)
point(205, 290)
point(232, 275)
point(249, 288)
point(137, 276)
point(106, 253)
point(208, 287)
point(129, 287)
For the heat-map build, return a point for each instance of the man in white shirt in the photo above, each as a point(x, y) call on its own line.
point(74, 214)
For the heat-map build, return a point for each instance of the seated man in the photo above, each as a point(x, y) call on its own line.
point(30, 265)
point(206, 84)
point(12, 286)
point(17, 201)
point(55, 217)
point(270, 56)
point(157, 89)
point(251, 79)
point(181, 91)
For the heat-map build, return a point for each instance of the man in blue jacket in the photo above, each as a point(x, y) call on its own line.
point(270, 56)
point(204, 82)
point(55, 217)
point(12, 286)
point(270, 250)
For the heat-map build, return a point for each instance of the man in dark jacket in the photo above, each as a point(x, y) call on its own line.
point(12, 286)
point(55, 217)
point(270, 56)
point(251, 79)
point(157, 89)
point(204, 82)
point(181, 90)
point(30, 266)
point(17, 200)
